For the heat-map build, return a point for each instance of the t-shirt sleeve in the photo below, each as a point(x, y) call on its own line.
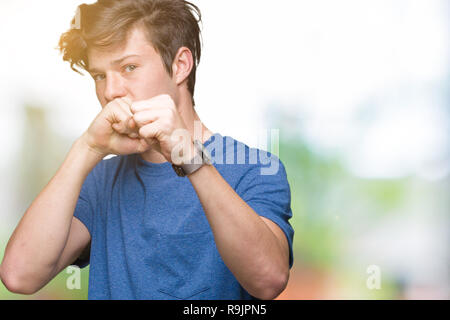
point(84, 211)
point(267, 192)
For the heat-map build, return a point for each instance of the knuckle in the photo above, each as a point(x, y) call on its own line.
point(137, 118)
point(143, 132)
point(113, 104)
point(127, 100)
point(138, 106)
point(118, 118)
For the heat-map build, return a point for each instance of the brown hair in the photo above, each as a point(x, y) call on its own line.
point(170, 25)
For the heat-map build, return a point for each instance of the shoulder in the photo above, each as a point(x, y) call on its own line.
point(236, 158)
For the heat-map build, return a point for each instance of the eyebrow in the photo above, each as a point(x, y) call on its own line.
point(119, 61)
point(114, 63)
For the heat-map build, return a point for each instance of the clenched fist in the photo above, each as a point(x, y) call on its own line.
point(114, 131)
point(125, 127)
point(161, 126)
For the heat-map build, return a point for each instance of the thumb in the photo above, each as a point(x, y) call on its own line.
point(142, 145)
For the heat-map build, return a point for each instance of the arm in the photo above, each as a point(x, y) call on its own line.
point(254, 248)
point(33, 253)
point(48, 237)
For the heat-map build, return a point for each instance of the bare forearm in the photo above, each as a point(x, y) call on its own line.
point(38, 241)
point(246, 244)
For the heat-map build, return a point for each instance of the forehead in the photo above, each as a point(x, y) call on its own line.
point(136, 44)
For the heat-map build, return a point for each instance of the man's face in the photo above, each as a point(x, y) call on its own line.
point(135, 71)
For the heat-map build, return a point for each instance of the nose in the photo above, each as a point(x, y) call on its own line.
point(115, 88)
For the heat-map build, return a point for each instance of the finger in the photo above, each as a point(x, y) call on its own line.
point(155, 103)
point(133, 135)
point(150, 132)
point(130, 146)
point(121, 129)
point(141, 105)
point(117, 119)
point(152, 144)
point(144, 145)
point(145, 117)
point(132, 124)
point(128, 101)
point(122, 119)
point(125, 105)
point(126, 108)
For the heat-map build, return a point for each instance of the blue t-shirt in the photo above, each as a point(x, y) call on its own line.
point(150, 238)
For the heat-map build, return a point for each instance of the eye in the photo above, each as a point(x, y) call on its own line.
point(130, 68)
point(98, 77)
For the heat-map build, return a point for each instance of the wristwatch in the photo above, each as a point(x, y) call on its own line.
point(201, 158)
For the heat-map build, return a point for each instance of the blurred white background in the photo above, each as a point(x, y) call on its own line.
point(323, 60)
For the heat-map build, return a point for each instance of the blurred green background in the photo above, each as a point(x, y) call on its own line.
point(360, 94)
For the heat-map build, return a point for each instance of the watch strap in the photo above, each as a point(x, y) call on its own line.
point(199, 160)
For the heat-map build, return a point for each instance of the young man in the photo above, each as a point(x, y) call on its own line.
point(219, 232)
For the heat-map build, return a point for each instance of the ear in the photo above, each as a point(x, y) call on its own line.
point(182, 65)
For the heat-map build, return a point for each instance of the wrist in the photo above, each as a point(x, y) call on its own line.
point(183, 155)
point(88, 149)
point(80, 159)
point(198, 158)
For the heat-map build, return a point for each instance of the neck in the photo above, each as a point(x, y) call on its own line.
point(193, 125)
